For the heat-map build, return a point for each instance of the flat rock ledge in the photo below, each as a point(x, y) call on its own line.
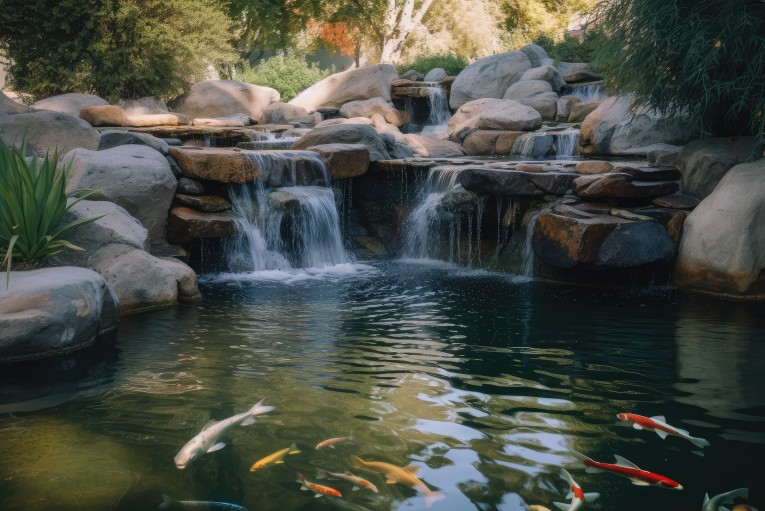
point(54, 311)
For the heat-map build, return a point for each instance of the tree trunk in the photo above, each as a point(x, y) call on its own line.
point(398, 25)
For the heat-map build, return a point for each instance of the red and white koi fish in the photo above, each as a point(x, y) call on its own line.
point(659, 425)
point(359, 482)
point(330, 442)
point(626, 468)
point(577, 496)
point(318, 489)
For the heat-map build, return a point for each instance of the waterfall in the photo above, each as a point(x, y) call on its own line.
point(566, 143)
point(528, 255)
point(439, 116)
point(589, 92)
point(533, 145)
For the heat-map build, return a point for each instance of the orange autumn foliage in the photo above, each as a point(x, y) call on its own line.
point(339, 36)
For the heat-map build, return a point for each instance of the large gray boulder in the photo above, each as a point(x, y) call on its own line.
point(547, 73)
point(281, 113)
point(488, 77)
point(704, 162)
point(142, 281)
point(352, 85)
point(219, 98)
point(46, 131)
point(492, 114)
point(70, 103)
point(722, 248)
point(618, 127)
point(9, 106)
point(526, 88)
point(346, 134)
point(116, 138)
point(435, 75)
point(536, 54)
point(53, 311)
point(136, 177)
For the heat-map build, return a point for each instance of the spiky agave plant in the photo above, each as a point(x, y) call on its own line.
point(33, 200)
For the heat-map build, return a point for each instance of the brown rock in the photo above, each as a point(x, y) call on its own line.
point(505, 141)
point(403, 82)
point(676, 201)
point(582, 109)
point(343, 160)
point(675, 225)
point(432, 147)
point(104, 115)
point(186, 224)
point(372, 244)
point(620, 186)
point(649, 173)
point(204, 203)
point(593, 167)
point(481, 142)
point(225, 165)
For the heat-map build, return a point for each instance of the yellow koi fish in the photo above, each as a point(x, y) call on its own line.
point(395, 474)
point(275, 458)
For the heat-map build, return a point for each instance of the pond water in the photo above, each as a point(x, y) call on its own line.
point(487, 382)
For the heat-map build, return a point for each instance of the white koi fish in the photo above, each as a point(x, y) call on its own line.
point(207, 439)
point(577, 496)
point(718, 500)
point(659, 425)
point(359, 482)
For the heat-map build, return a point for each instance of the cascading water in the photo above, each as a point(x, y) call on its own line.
point(528, 255)
point(588, 92)
point(438, 120)
point(566, 143)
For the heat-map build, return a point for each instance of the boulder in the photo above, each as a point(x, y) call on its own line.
point(110, 139)
point(343, 160)
point(413, 76)
point(369, 107)
point(676, 201)
point(617, 127)
point(576, 72)
point(704, 162)
point(136, 177)
point(482, 142)
point(493, 114)
point(564, 106)
point(458, 201)
point(546, 104)
point(190, 186)
point(620, 186)
point(506, 141)
point(593, 167)
point(235, 120)
point(435, 75)
point(526, 88)
point(635, 244)
point(722, 248)
point(110, 115)
point(186, 224)
point(353, 120)
point(547, 73)
point(219, 98)
point(143, 106)
point(581, 109)
point(386, 129)
point(433, 147)
point(664, 157)
point(352, 85)
point(536, 54)
point(641, 173)
point(9, 106)
point(46, 132)
point(534, 145)
point(492, 181)
point(53, 311)
point(346, 134)
point(281, 113)
point(142, 281)
point(70, 103)
point(203, 203)
point(488, 77)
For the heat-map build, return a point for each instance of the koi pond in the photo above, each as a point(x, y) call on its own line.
point(489, 383)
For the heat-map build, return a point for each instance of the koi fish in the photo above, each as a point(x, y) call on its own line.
point(197, 505)
point(718, 500)
point(318, 489)
point(626, 468)
point(207, 439)
point(577, 496)
point(359, 482)
point(659, 425)
point(330, 442)
point(275, 458)
point(394, 474)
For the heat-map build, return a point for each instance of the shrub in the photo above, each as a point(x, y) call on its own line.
point(570, 49)
point(289, 74)
point(450, 63)
point(33, 201)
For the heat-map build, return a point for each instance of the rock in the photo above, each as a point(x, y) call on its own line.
point(458, 201)
point(46, 131)
point(70, 103)
point(203, 203)
point(581, 109)
point(548, 73)
point(676, 201)
point(536, 54)
point(343, 160)
point(564, 106)
point(534, 145)
point(190, 186)
point(593, 167)
point(9, 106)
point(346, 134)
point(401, 151)
point(371, 244)
point(527, 88)
point(722, 248)
point(103, 115)
point(413, 76)
point(369, 107)
point(174, 167)
point(53, 311)
point(649, 173)
point(704, 162)
point(186, 224)
point(111, 139)
point(488, 181)
point(482, 142)
point(576, 72)
point(488, 77)
point(506, 141)
point(616, 127)
point(281, 113)
point(219, 98)
point(136, 177)
point(496, 114)
point(352, 85)
point(635, 244)
point(432, 147)
point(664, 157)
point(386, 129)
point(150, 120)
point(435, 75)
point(236, 120)
point(354, 120)
point(142, 281)
point(546, 104)
point(621, 186)
point(115, 226)
point(143, 106)
point(404, 82)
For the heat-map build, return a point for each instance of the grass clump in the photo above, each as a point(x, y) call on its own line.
point(288, 74)
point(450, 63)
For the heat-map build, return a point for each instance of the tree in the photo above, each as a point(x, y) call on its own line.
point(703, 60)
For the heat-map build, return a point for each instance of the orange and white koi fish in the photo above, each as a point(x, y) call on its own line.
point(394, 474)
point(275, 458)
point(626, 468)
point(659, 425)
point(723, 499)
point(359, 482)
point(577, 496)
point(318, 489)
point(330, 442)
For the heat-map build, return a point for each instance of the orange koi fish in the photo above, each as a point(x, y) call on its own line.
point(318, 489)
point(330, 442)
point(394, 474)
point(359, 482)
